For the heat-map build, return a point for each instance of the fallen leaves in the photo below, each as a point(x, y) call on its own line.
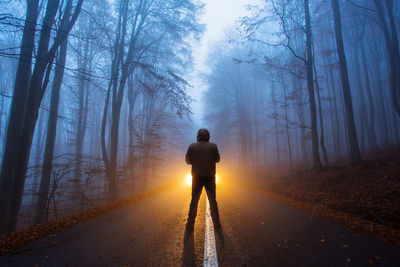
point(365, 198)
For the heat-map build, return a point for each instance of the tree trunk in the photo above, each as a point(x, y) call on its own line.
point(364, 124)
point(132, 95)
point(256, 128)
point(285, 106)
point(277, 148)
point(373, 141)
point(310, 87)
point(51, 135)
point(392, 46)
point(115, 119)
point(363, 128)
point(83, 99)
point(31, 112)
point(382, 108)
point(335, 104)
point(38, 158)
point(103, 128)
point(395, 56)
point(116, 100)
point(335, 138)
point(351, 129)
point(300, 114)
point(16, 116)
point(321, 119)
point(364, 114)
point(52, 125)
point(37, 87)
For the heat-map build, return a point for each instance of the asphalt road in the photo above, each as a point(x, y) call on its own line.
point(256, 231)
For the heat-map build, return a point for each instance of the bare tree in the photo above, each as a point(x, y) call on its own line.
point(351, 129)
point(52, 124)
point(23, 120)
point(129, 51)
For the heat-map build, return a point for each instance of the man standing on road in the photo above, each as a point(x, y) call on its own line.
point(203, 155)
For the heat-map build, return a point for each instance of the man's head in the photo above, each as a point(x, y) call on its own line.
point(203, 135)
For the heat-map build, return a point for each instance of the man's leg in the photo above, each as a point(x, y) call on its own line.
point(211, 194)
point(197, 186)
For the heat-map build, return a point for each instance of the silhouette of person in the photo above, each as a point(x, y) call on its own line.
point(203, 155)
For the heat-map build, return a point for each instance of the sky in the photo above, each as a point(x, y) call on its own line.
point(219, 15)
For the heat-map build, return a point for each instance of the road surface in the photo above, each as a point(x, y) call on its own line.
point(256, 231)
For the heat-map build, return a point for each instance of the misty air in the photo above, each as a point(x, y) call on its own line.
point(199, 133)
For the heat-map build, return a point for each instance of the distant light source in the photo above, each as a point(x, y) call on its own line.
point(189, 179)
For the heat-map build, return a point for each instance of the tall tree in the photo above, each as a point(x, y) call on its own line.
point(17, 112)
point(355, 154)
point(392, 45)
point(16, 158)
point(292, 40)
point(310, 86)
point(276, 128)
point(52, 124)
point(141, 27)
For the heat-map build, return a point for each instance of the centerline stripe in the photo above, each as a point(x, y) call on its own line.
point(210, 251)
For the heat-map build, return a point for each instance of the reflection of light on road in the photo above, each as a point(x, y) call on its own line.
point(189, 179)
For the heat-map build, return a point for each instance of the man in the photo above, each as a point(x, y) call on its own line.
point(203, 155)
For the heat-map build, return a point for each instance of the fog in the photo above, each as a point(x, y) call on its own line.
point(97, 96)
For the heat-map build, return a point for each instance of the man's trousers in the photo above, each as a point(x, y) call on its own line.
point(197, 187)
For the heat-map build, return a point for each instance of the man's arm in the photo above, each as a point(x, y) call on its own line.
point(217, 158)
point(188, 159)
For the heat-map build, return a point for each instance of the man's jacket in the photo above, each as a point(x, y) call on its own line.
point(202, 155)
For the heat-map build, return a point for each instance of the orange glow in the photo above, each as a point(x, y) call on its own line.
point(189, 179)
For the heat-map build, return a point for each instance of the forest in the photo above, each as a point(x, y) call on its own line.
point(96, 104)
point(305, 84)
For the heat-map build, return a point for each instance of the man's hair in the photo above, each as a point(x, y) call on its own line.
point(203, 135)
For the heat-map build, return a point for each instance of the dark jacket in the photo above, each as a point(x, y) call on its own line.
point(202, 155)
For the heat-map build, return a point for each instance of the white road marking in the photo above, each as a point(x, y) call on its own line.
point(210, 250)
